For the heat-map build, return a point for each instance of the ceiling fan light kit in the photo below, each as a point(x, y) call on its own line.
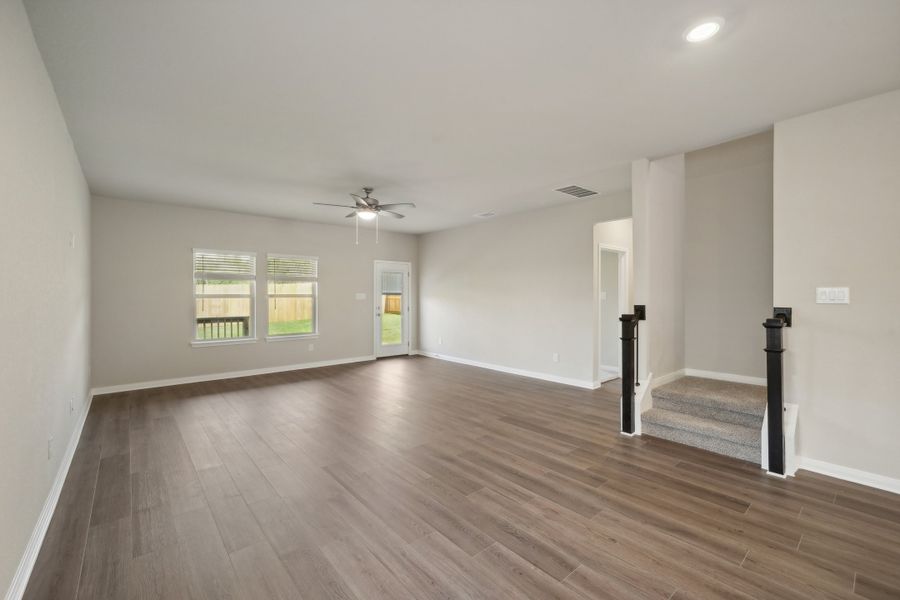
point(368, 208)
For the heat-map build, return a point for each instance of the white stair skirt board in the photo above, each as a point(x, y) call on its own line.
point(588, 385)
point(882, 482)
point(791, 412)
point(145, 385)
point(725, 376)
point(29, 557)
point(643, 400)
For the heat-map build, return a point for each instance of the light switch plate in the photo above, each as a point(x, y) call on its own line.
point(360, 295)
point(832, 295)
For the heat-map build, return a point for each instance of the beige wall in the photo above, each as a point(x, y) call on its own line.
point(44, 296)
point(514, 290)
point(659, 219)
point(142, 307)
point(837, 223)
point(728, 255)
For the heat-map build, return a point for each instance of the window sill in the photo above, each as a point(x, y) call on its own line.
point(204, 343)
point(285, 338)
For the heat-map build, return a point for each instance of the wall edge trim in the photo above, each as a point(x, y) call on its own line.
point(144, 385)
point(732, 377)
point(20, 579)
point(580, 383)
point(866, 478)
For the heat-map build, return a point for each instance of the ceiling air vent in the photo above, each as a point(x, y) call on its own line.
point(577, 191)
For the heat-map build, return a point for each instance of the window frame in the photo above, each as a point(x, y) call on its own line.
point(315, 298)
point(252, 337)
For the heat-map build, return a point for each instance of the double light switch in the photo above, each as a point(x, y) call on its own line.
point(833, 295)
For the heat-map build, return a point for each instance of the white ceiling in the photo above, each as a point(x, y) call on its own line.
point(461, 106)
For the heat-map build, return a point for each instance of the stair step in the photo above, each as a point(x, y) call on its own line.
point(736, 403)
point(730, 439)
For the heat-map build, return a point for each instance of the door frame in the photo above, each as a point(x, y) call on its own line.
point(622, 254)
point(376, 334)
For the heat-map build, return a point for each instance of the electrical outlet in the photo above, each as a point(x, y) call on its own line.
point(556, 357)
point(440, 341)
point(312, 346)
point(72, 240)
point(71, 405)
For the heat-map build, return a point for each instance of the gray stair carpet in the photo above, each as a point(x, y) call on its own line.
point(719, 416)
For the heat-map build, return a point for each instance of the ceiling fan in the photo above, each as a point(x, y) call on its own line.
point(368, 208)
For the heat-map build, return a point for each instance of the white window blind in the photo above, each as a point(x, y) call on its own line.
point(223, 265)
point(303, 268)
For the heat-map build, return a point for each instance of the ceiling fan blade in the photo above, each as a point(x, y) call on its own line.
point(395, 204)
point(326, 204)
point(360, 201)
point(396, 215)
point(353, 214)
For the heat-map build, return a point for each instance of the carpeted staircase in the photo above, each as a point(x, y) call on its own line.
point(718, 416)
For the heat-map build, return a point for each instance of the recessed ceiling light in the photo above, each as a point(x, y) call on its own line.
point(703, 31)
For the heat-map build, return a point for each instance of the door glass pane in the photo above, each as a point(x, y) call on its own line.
point(391, 308)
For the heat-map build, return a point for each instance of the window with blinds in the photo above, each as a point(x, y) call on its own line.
point(224, 295)
point(293, 293)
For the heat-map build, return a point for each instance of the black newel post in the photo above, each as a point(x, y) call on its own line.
point(628, 325)
point(775, 391)
point(640, 314)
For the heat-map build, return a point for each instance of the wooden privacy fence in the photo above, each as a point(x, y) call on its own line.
point(280, 309)
point(392, 303)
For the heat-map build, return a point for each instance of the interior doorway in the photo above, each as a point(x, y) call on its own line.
point(391, 308)
point(612, 275)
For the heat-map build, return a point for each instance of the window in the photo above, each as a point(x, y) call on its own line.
point(293, 289)
point(224, 293)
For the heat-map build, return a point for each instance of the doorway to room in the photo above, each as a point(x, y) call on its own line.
point(391, 308)
point(612, 275)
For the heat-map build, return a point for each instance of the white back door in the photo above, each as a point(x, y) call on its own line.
point(391, 308)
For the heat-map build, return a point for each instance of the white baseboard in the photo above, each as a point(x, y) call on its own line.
point(20, 579)
point(874, 480)
point(144, 385)
point(725, 376)
point(586, 384)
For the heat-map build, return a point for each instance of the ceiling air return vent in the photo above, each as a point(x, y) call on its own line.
point(577, 191)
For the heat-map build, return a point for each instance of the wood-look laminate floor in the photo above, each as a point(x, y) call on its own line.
point(415, 478)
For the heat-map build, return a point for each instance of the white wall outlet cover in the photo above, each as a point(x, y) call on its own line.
point(440, 340)
point(312, 347)
point(556, 357)
point(360, 295)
